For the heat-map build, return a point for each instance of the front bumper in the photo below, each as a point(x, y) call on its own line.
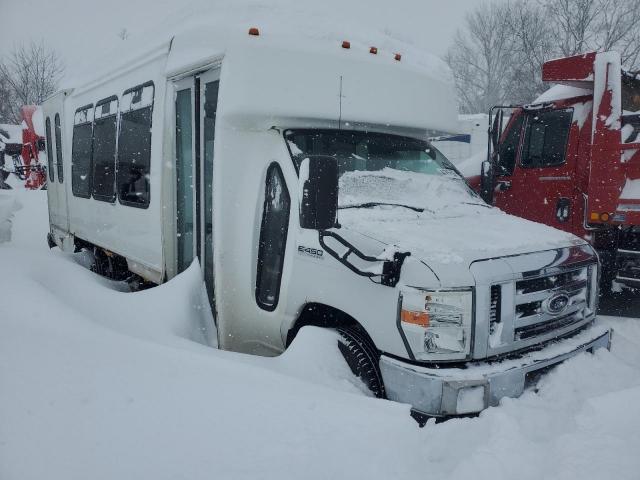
point(456, 391)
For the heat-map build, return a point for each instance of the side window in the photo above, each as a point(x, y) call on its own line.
point(508, 149)
point(49, 151)
point(58, 130)
point(134, 146)
point(104, 149)
point(545, 140)
point(273, 239)
point(81, 152)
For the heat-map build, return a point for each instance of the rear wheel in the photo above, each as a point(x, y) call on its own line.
point(363, 358)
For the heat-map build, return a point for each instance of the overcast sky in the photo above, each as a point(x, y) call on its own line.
point(77, 29)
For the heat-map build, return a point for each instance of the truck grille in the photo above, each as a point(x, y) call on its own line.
point(524, 301)
point(494, 308)
point(552, 302)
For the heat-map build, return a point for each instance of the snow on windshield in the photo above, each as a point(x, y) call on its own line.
point(430, 192)
point(379, 168)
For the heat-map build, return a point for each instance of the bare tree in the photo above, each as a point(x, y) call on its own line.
point(123, 34)
point(5, 101)
point(498, 57)
point(532, 46)
point(480, 56)
point(579, 26)
point(30, 73)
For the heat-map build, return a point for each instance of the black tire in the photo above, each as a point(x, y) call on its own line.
point(363, 358)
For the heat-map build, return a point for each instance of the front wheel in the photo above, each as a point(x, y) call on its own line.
point(363, 358)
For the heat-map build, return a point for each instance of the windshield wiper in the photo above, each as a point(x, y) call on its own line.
point(377, 204)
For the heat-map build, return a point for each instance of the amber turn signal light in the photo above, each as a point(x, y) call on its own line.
point(416, 318)
point(602, 217)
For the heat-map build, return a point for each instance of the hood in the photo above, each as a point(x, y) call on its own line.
point(455, 229)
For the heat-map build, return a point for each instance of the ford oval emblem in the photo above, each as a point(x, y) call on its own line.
point(557, 303)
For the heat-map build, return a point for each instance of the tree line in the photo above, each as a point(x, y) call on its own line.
point(497, 56)
point(28, 75)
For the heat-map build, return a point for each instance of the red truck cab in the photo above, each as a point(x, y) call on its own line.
point(571, 160)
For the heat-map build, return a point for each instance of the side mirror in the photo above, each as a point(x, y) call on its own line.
point(486, 182)
point(318, 192)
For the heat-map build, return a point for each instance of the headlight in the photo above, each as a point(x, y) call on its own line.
point(437, 324)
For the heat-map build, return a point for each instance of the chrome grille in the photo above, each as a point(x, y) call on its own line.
point(495, 306)
point(536, 299)
point(514, 293)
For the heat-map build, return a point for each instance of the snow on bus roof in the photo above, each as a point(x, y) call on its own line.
point(299, 53)
point(200, 34)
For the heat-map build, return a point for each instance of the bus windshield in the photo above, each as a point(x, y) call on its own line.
point(369, 151)
point(383, 170)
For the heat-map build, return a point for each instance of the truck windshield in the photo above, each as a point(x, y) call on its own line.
point(382, 169)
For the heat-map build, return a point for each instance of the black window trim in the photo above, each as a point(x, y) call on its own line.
point(57, 125)
point(88, 106)
point(525, 126)
point(120, 113)
point(104, 198)
point(270, 308)
point(47, 128)
point(518, 150)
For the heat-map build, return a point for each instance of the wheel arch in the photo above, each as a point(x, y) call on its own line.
point(324, 316)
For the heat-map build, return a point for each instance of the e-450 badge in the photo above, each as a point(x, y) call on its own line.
point(309, 251)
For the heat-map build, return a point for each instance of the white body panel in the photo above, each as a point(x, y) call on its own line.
point(267, 86)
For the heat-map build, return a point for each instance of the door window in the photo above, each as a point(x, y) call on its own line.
point(49, 150)
point(58, 130)
point(508, 149)
point(273, 239)
point(545, 141)
point(184, 179)
point(209, 129)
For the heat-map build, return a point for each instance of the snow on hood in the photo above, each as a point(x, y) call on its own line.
point(455, 228)
point(8, 206)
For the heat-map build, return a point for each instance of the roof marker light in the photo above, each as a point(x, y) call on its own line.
point(346, 44)
point(373, 50)
point(254, 31)
point(397, 56)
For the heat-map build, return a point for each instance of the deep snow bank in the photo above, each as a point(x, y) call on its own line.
point(8, 205)
point(96, 383)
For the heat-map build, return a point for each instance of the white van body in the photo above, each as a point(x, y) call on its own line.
point(271, 93)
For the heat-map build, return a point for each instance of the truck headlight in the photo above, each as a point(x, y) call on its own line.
point(437, 324)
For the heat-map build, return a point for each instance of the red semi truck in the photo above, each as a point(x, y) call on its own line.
point(572, 159)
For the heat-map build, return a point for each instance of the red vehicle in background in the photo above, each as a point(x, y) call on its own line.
point(32, 169)
point(572, 159)
point(26, 151)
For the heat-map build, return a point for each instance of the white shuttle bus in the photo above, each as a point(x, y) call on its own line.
point(301, 179)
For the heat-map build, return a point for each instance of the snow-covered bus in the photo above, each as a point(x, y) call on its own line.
point(299, 175)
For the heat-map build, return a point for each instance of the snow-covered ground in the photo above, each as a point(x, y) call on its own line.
point(103, 384)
